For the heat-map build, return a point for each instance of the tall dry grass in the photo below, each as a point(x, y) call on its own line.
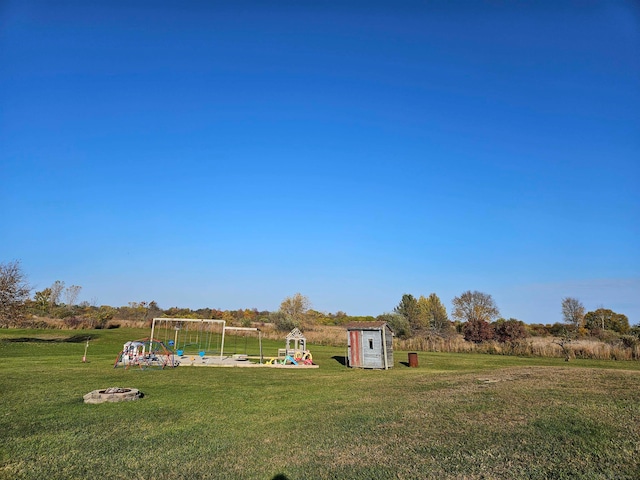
point(532, 347)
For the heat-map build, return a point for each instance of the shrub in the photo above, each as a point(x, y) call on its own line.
point(478, 331)
point(508, 331)
point(538, 330)
point(629, 341)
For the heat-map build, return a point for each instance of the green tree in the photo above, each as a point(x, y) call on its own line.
point(14, 293)
point(398, 323)
point(606, 319)
point(42, 301)
point(410, 310)
point(282, 321)
point(573, 312)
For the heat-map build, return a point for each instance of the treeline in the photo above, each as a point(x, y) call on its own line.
point(475, 317)
point(58, 302)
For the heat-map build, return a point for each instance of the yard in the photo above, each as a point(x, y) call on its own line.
point(455, 416)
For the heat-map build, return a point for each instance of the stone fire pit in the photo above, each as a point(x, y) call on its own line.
point(113, 394)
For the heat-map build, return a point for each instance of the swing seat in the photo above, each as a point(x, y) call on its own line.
point(240, 356)
point(180, 352)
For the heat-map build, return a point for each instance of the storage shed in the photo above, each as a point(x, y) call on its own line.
point(369, 345)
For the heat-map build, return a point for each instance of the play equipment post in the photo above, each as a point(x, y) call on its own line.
point(86, 347)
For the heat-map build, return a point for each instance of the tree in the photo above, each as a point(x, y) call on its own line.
point(474, 306)
point(511, 330)
point(422, 317)
point(477, 309)
point(606, 319)
point(295, 307)
point(14, 293)
point(71, 295)
point(435, 314)
point(42, 300)
point(282, 321)
point(573, 312)
point(398, 324)
point(410, 310)
point(56, 292)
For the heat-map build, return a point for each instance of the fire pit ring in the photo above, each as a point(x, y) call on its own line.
point(113, 394)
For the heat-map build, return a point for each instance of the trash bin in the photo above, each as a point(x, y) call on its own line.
point(413, 359)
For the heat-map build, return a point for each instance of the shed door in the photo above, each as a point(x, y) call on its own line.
point(372, 349)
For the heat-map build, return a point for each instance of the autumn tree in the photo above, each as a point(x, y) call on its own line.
point(509, 331)
point(478, 331)
point(477, 309)
point(292, 312)
point(14, 293)
point(573, 312)
point(434, 314)
point(474, 306)
point(295, 307)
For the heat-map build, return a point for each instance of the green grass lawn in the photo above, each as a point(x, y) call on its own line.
point(456, 416)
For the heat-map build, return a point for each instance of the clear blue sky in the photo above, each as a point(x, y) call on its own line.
point(229, 154)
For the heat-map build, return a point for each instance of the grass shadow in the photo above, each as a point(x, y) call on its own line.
point(72, 339)
point(341, 359)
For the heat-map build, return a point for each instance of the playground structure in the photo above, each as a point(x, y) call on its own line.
point(146, 353)
point(297, 354)
point(205, 338)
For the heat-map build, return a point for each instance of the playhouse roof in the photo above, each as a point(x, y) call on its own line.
point(367, 326)
point(295, 333)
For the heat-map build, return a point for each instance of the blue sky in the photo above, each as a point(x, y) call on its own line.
point(229, 154)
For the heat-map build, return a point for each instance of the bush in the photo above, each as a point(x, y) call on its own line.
point(508, 331)
point(478, 331)
point(629, 341)
point(538, 330)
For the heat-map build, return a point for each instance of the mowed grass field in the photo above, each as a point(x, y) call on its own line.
point(455, 416)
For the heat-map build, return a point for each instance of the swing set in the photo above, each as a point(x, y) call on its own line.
point(189, 336)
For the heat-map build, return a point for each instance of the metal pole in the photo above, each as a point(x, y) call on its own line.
point(384, 347)
point(224, 328)
point(153, 326)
